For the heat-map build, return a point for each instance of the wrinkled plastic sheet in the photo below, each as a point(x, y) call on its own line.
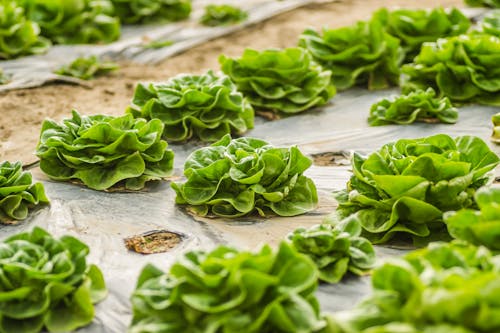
point(33, 71)
point(103, 220)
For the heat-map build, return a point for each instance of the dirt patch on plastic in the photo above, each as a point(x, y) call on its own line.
point(24, 110)
point(156, 241)
point(331, 158)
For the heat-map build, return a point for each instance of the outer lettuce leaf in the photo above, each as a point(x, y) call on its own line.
point(417, 26)
point(495, 137)
point(362, 54)
point(18, 35)
point(87, 68)
point(335, 250)
point(229, 291)
point(46, 283)
point(238, 177)
point(205, 106)
point(405, 187)
point(463, 68)
point(75, 21)
point(286, 80)
point(483, 3)
point(102, 151)
point(216, 15)
point(490, 23)
point(478, 227)
point(18, 193)
point(144, 11)
point(417, 105)
point(445, 288)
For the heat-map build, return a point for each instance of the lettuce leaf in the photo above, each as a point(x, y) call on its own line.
point(102, 151)
point(75, 21)
point(462, 68)
point(87, 68)
point(335, 250)
point(480, 227)
point(3, 78)
point(417, 26)
point(495, 137)
point(17, 192)
point(445, 288)
point(232, 178)
point(285, 80)
point(418, 105)
point(145, 11)
point(205, 106)
point(216, 15)
point(483, 3)
point(226, 290)
point(47, 284)
point(362, 54)
point(404, 187)
point(18, 35)
point(490, 24)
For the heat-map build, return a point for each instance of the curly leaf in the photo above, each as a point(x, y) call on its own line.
point(405, 186)
point(102, 151)
point(362, 54)
point(229, 291)
point(462, 68)
point(418, 105)
point(145, 11)
point(46, 283)
point(17, 192)
point(286, 80)
point(237, 177)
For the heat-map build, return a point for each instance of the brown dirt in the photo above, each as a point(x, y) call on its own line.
point(24, 110)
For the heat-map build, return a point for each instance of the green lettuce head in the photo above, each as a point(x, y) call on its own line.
point(286, 80)
point(144, 11)
point(46, 283)
point(417, 26)
point(495, 137)
point(216, 15)
point(204, 106)
point(405, 187)
point(102, 151)
point(226, 290)
point(490, 24)
point(75, 21)
point(479, 227)
point(18, 193)
point(18, 35)
point(483, 3)
point(362, 54)
point(418, 105)
point(335, 250)
point(463, 68)
point(232, 178)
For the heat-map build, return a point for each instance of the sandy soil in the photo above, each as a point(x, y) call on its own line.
point(24, 110)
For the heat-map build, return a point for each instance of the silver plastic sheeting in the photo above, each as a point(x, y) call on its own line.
point(33, 71)
point(103, 220)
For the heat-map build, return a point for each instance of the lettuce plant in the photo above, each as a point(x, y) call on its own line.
point(446, 288)
point(417, 26)
point(232, 178)
point(46, 283)
point(404, 187)
point(144, 11)
point(87, 68)
point(102, 151)
point(216, 15)
point(17, 192)
point(490, 23)
point(362, 54)
point(229, 291)
point(335, 250)
point(483, 3)
point(479, 227)
point(18, 35)
point(463, 68)
point(286, 80)
point(3, 78)
point(417, 105)
point(495, 137)
point(204, 106)
point(75, 21)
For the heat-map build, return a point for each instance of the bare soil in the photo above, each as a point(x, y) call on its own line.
point(23, 111)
